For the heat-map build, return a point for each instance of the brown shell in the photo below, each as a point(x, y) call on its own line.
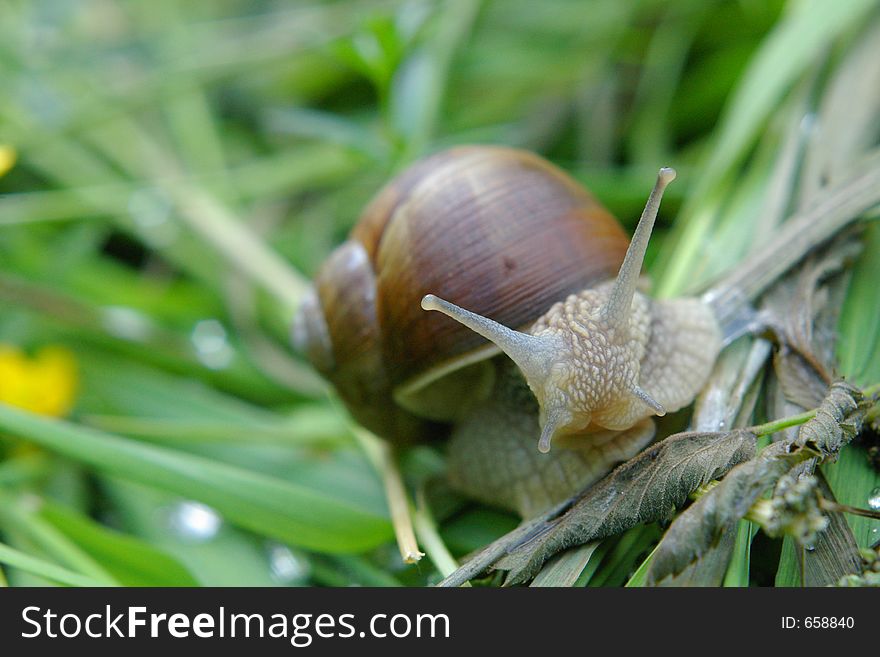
point(337, 329)
point(495, 230)
point(498, 231)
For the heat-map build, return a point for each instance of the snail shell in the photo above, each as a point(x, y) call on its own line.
point(499, 231)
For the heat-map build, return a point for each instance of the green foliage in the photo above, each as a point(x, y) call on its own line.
point(184, 168)
point(265, 504)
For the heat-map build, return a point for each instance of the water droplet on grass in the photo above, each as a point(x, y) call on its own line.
point(211, 343)
point(874, 499)
point(287, 566)
point(194, 521)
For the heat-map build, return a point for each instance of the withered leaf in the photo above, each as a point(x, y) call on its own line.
point(647, 488)
point(698, 530)
point(803, 308)
point(838, 419)
point(709, 569)
point(835, 553)
point(798, 379)
point(651, 485)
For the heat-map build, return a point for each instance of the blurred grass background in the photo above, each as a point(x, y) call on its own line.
point(175, 172)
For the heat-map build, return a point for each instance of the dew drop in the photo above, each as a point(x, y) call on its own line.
point(287, 566)
point(194, 521)
point(151, 213)
point(809, 123)
point(126, 323)
point(212, 346)
point(874, 499)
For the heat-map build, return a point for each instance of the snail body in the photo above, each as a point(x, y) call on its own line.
point(507, 236)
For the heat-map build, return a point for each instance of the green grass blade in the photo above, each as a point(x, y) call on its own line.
point(231, 557)
point(798, 40)
point(638, 578)
point(262, 504)
point(738, 569)
point(421, 85)
point(42, 568)
point(20, 516)
point(566, 567)
point(596, 561)
point(852, 478)
point(620, 564)
point(131, 561)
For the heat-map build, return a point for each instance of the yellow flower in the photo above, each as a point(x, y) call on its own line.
point(7, 158)
point(44, 384)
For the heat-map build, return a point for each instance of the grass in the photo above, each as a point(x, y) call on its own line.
point(182, 169)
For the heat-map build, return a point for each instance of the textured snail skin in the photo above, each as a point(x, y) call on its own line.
point(492, 455)
point(582, 398)
point(666, 347)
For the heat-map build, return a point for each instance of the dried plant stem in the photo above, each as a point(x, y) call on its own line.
point(498, 548)
point(239, 244)
point(824, 503)
point(382, 458)
point(426, 530)
point(829, 505)
point(211, 218)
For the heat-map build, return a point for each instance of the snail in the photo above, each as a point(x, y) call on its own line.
point(589, 358)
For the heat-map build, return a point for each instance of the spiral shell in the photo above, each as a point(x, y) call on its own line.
point(497, 230)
